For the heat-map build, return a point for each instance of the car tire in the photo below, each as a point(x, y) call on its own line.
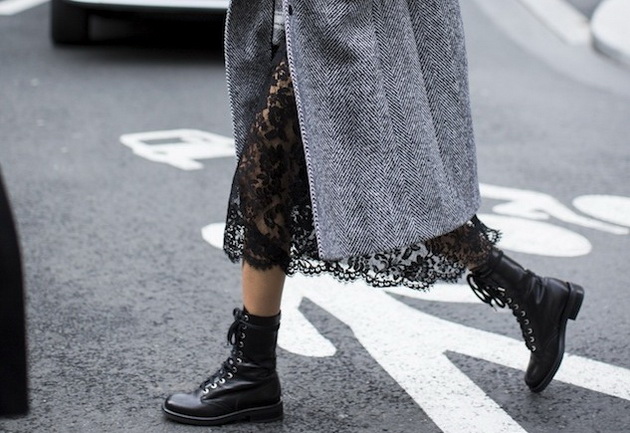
point(69, 24)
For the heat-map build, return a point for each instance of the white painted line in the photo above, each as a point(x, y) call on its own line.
point(612, 208)
point(535, 205)
point(12, 7)
point(181, 148)
point(563, 19)
point(537, 237)
point(611, 29)
point(417, 357)
point(441, 292)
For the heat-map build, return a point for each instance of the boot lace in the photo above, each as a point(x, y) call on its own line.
point(229, 367)
point(491, 294)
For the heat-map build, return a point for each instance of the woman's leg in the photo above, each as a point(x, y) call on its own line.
point(262, 290)
point(246, 386)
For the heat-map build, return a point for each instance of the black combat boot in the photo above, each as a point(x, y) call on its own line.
point(245, 388)
point(541, 305)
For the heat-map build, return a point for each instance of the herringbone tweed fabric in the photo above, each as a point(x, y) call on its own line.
point(382, 94)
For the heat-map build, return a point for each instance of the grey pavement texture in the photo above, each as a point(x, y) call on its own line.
point(126, 302)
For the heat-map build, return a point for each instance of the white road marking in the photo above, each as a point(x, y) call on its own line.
point(301, 337)
point(611, 32)
point(213, 234)
point(442, 292)
point(12, 7)
point(416, 357)
point(537, 237)
point(563, 19)
point(612, 208)
point(539, 206)
point(180, 148)
point(411, 346)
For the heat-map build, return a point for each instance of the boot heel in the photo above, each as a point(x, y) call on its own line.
point(575, 300)
point(267, 414)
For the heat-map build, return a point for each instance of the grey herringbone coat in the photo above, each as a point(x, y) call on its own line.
point(382, 95)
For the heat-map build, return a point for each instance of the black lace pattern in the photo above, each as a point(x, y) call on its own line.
point(270, 220)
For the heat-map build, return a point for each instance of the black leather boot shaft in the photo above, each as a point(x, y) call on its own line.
point(541, 305)
point(258, 337)
point(246, 386)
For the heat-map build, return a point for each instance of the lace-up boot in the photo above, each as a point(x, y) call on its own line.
point(541, 305)
point(245, 388)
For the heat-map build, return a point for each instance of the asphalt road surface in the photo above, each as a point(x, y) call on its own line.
point(117, 160)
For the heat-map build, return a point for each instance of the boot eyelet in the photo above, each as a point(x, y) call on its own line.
point(241, 344)
point(230, 375)
point(533, 348)
point(509, 300)
point(530, 331)
point(205, 391)
point(222, 381)
point(526, 321)
point(242, 336)
point(246, 317)
point(239, 360)
point(532, 339)
point(213, 385)
point(523, 313)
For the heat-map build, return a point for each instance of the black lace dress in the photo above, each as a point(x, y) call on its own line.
point(270, 221)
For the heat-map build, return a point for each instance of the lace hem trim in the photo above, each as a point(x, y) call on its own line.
point(415, 266)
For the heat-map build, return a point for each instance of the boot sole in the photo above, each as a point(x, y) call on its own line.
point(571, 310)
point(261, 414)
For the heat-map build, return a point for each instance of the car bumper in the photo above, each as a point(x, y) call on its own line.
point(164, 5)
